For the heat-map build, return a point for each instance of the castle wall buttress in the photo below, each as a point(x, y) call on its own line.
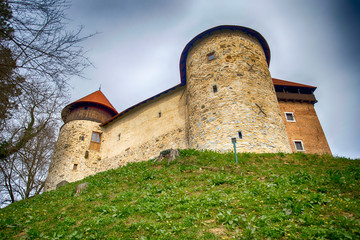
point(73, 159)
point(230, 94)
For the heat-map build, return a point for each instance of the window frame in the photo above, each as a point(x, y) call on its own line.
point(293, 117)
point(95, 143)
point(210, 56)
point(302, 145)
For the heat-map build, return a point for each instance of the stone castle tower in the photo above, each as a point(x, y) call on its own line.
point(226, 91)
point(230, 93)
point(81, 126)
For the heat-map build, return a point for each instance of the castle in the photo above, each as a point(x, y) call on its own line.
point(226, 91)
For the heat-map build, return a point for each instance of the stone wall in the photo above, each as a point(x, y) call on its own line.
point(148, 150)
point(73, 142)
point(245, 99)
point(306, 127)
point(146, 130)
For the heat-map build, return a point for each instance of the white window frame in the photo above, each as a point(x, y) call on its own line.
point(292, 114)
point(302, 144)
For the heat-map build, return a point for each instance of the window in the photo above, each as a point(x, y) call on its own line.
point(290, 117)
point(211, 56)
point(215, 89)
point(119, 136)
point(95, 137)
point(81, 138)
point(159, 114)
point(95, 141)
point(75, 166)
point(299, 145)
point(240, 134)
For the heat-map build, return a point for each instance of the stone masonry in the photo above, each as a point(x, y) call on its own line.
point(226, 91)
point(244, 99)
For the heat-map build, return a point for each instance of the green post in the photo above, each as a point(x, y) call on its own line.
point(233, 140)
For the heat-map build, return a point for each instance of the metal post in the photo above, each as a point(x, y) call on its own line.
point(233, 140)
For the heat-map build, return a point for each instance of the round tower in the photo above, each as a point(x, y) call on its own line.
point(230, 92)
point(77, 151)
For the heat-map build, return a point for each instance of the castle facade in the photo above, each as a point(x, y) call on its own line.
point(226, 92)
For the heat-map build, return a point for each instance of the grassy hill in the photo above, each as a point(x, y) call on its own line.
point(201, 195)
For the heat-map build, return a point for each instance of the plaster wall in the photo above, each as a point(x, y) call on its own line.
point(142, 133)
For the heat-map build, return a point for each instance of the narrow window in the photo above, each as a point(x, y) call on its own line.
point(299, 145)
point(211, 56)
point(290, 117)
point(81, 138)
point(119, 136)
point(86, 154)
point(95, 141)
point(215, 88)
point(240, 134)
point(75, 167)
point(159, 114)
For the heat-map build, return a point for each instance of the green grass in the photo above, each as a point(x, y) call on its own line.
point(201, 195)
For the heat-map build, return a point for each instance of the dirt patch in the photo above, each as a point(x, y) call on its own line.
point(218, 230)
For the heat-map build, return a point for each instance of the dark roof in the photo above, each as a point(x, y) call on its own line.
point(206, 33)
point(278, 82)
point(96, 97)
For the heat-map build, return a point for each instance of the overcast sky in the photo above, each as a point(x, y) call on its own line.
point(136, 53)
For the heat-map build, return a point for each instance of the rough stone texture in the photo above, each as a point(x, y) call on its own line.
point(143, 125)
point(194, 116)
point(245, 99)
point(69, 150)
point(306, 127)
point(147, 150)
point(143, 134)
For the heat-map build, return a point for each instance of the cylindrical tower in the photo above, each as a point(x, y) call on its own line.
point(77, 151)
point(230, 92)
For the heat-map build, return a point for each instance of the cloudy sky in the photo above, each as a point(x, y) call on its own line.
point(136, 53)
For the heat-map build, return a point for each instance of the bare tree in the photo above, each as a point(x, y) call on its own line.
point(38, 54)
point(23, 173)
point(42, 51)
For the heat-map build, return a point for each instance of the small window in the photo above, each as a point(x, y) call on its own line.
point(290, 117)
point(75, 167)
point(85, 108)
point(215, 89)
point(96, 137)
point(95, 141)
point(86, 154)
point(299, 145)
point(211, 56)
point(159, 114)
point(240, 134)
point(81, 138)
point(119, 136)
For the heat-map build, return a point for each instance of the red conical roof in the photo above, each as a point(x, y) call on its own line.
point(94, 98)
point(97, 97)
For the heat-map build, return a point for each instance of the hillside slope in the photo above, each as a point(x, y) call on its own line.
point(201, 195)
